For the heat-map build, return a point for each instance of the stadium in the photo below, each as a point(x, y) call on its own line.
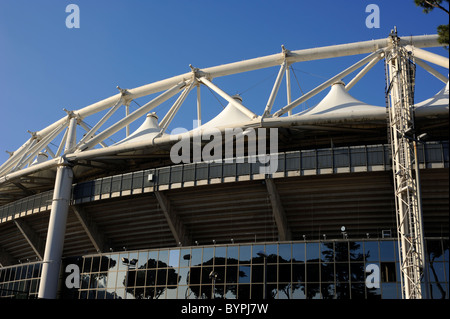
point(342, 200)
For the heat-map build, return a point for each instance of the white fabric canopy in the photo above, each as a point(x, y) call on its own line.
point(339, 101)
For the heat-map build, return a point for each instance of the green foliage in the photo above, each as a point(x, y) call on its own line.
point(442, 30)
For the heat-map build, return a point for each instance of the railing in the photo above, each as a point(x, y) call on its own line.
point(296, 163)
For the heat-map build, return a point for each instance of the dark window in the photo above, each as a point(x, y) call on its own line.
point(388, 272)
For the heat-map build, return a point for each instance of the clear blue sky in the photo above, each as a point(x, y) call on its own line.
point(45, 67)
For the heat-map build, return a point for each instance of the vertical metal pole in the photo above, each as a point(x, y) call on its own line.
point(406, 183)
point(288, 88)
point(127, 112)
point(56, 232)
point(54, 244)
point(199, 107)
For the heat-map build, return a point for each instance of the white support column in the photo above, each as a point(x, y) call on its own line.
point(56, 232)
point(199, 106)
point(288, 88)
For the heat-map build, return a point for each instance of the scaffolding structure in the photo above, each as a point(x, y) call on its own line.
point(400, 78)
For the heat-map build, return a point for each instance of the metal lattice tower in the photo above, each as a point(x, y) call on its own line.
point(400, 75)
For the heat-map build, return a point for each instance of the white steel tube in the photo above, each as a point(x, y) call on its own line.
point(174, 109)
point(199, 106)
point(275, 89)
point(288, 88)
point(229, 99)
point(324, 85)
point(363, 72)
point(93, 130)
point(39, 146)
point(132, 117)
point(56, 232)
point(255, 64)
point(431, 70)
point(71, 135)
point(86, 128)
point(428, 56)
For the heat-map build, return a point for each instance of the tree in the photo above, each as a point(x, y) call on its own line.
point(428, 6)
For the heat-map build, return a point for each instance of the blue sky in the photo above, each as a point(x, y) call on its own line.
point(45, 66)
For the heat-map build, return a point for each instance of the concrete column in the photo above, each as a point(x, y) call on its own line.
point(56, 233)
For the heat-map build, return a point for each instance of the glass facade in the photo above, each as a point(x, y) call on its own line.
point(335, 269)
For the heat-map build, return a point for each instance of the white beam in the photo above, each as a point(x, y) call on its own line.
point(363, 72)
point(275, 89)
point(255, 64)
point(175, 107)
point(428, 56)
point(431, 70)
point(229, 99)
point(132, 117)
point(326, 84)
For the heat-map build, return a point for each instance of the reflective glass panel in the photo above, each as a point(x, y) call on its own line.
point(327, 290)
point(371, 250)
point(298, 272)
point(284, 272)
point(342, 291)
point(357, 272)
point(434, 250)
point(298, 252)
point(298, 292)
point(244, 254)
point(356, 251)
point(152, 259)
point(358, 290)
point(284, 252)
point(183, 274)
point(244, 274)
point(220, 254)
point(438, 291)
point(445, 243)
point(174, 258)
point(196, 257)
point(342, 272)
point(258, 273)
point(312, 272)
point(231, 292)
point(387, 251)
point(256, 249)
point(341, 251)
point(313, 291)
point(312, 252)
point(327, 251)
point(142, 259)
point(208, 254)
point(232, 255)
point(437, 271)
point(389, 291)
point(327, 272)
point(163, 258)
point(272, 253)
point(185, 257)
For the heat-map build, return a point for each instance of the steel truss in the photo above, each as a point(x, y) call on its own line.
point(400, 77)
